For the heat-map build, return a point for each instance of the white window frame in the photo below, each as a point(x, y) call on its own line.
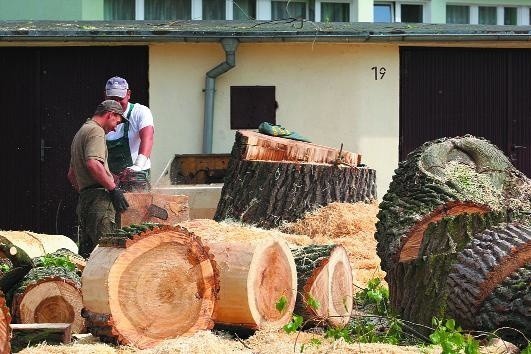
point(426, 10)
point(307, 2)
point(522, 13)
point(351, 11)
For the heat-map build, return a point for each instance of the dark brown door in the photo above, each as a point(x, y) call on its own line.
point(447, 92)
point(67, 85)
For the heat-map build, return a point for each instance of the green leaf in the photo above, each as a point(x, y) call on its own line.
point(450, 324)
point(294, 324)
point(313, 302)
point(526, 350)
point(281, 304)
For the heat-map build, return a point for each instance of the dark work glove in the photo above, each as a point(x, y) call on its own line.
point(118, 200)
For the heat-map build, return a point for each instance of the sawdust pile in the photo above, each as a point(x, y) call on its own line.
point(350, 224)
point(263, 342)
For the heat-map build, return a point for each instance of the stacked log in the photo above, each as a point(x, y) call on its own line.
point(453, 233)
point(5, 330)
point(325, 291)
point(271, 180)
point(148, 283)
point(49, 295)
point(155, 208)
point(37, 245)
point(255, 275)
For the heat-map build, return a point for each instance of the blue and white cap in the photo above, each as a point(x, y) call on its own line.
point(116, 87)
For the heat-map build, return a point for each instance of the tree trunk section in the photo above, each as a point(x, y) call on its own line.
point(324, 279)
point(17, 261)
point(156, 208)
point(253, 278)
point(271, 180)
point(149, 283)
point(445, 177)
point(490, 284)
point(37, 245)
point(49, 295)
point(5, 330)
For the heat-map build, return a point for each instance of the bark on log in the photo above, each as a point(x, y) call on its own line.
point(253, 278)
point(445, 177)
point(149, 283)
point(324, 279)
point(49, 295)
point(490, 284)
point(157, 208)
point(37, 245)
point(78, 261)
point(5, 330)
point(17, 261)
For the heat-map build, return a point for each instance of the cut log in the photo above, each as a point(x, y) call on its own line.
point(254, 146)
point(445, 177)
point(147, 284)
point(253, 279)
point(17, 261)
point(36, 245)
point(256, 270)
point(157, 208)
point(78, 261)
point(325, 291)
point(5, 329)
point(49, 295)
point(268, 193)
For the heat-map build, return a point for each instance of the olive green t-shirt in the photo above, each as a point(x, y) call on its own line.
point(88, 143)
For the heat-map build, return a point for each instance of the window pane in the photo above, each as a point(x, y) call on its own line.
point(457, 14)
point(411, 13)
point(383, 13)
point(244, 10)
point(487, 15)
point(213, 9)
point(509, 15)
point(335, 12)
point(167, 9)
point(283, 9)
point(119, 9)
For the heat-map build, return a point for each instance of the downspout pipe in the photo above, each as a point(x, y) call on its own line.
point(229, 45)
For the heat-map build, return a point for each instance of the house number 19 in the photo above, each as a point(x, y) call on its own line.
point(379, 72)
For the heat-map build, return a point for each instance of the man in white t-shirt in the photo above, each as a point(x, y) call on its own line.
point(131, 144)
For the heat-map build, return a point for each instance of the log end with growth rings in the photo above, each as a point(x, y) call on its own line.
point(162, 285)
point(272, 277)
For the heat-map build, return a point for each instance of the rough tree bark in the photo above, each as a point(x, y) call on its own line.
point(267, 193)
point(148, 283)
point(442, 178)
point(49, 295)
point(325, 291)
point(5, 330)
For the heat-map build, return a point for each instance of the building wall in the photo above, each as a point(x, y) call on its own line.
point(438, 7)
point(326, 92)
point(51, 9)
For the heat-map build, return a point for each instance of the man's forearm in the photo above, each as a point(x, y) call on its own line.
point(98, 172)
point(72, 178)
point(146, 140)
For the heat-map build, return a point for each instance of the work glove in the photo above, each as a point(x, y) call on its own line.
point(139, 163)
point(118, 200)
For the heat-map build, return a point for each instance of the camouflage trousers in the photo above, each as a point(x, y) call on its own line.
point(96, 217)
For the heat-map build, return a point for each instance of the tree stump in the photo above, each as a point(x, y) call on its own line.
point(297, 177)
point(325, 291)
point(145, 284)
point(49, 295)
point(5, 330)
point(443, 201)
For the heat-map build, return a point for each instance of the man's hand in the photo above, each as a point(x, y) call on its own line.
point(139, 164)
point(118, 200)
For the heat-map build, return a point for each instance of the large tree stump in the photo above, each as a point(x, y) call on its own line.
point(325, 291)
point(298, 177)
point(5, 330)
point(442, 202)
point(142, 286)
point(49, 295)
point(154, 207)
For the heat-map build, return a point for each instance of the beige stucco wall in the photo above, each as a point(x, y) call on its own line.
point(325, 91)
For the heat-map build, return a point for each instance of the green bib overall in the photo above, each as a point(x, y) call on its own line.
point(119, 150)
